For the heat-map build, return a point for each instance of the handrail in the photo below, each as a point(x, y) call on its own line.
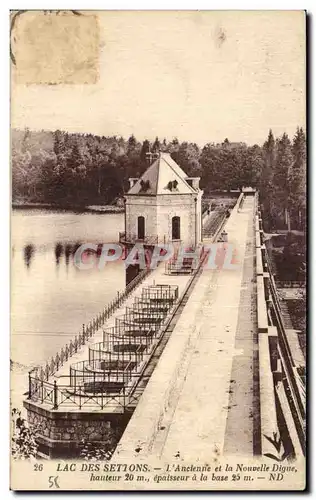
point(63, 395)
point(288, 363)
point(88, 331)
point(109, 373)
point(133, 238)
point(290, 283)
point(217, 219)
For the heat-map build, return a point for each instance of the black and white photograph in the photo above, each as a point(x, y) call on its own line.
point(158, 250)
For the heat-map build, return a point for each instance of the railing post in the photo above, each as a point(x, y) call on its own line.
point(30, 386)
point(79, 397)
point(55, 407)
point(124, 401)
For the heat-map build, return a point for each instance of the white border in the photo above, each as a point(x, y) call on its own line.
point(5, 177)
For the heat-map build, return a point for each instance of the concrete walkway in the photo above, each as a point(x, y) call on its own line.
point(242, 418)
point(184, 411)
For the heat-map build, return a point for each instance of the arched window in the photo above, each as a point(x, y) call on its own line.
point(141, 228)
point(176, 228)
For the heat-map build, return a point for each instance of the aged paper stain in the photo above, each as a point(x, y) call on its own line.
point(53, 47)
point(220, 37)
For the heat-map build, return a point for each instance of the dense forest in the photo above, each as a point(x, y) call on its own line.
point(70, 169)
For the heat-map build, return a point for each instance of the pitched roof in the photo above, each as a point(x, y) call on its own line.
point(164, 176)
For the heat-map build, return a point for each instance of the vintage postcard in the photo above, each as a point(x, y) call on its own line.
point(158, 265)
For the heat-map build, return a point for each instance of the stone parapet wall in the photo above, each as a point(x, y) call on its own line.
point(62, 434)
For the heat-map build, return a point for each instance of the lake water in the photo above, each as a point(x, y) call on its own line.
point(50, 297)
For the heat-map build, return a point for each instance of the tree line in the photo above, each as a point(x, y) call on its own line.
point(283, 180)
point(71, 169)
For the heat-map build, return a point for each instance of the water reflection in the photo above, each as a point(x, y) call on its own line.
point(68, 250)
point(58, 252)
point(50, 299)
point(29, 251)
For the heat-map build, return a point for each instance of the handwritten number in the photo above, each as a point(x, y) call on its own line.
point(53, 482)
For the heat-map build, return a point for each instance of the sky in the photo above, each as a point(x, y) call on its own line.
point(198, 76)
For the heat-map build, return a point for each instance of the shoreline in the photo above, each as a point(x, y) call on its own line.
point(109, 209)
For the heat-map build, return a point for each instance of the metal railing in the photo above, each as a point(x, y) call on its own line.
point(57, 361)
point(99, 376)
point(100, 352)
point(290, 284)
point(184, 266)
point(161, 293)
point(133, 239)
point(292, 385)
point(150, 306)
point(62, 395)
point(117, 342)
point(216, 221)
point(147, 317)
point(114, 365)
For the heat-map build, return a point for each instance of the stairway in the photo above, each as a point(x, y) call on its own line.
point(286, 315)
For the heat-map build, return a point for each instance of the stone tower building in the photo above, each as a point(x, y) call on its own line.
point(163, 205)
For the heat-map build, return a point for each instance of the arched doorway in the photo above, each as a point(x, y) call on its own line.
point(141, 227)
point(176, 228)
